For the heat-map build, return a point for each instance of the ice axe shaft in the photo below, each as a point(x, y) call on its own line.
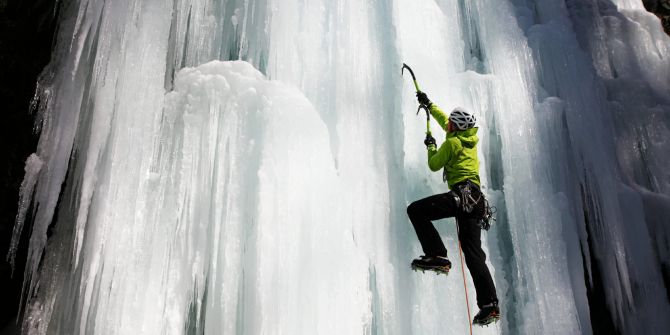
point(418, 90)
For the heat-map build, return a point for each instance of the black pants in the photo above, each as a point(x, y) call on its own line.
point(440, 206)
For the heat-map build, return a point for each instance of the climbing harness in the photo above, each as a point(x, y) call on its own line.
point(467, 202)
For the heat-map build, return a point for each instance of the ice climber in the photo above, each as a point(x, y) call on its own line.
point(457, 156)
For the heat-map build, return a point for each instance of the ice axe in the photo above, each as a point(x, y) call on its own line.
point(421, 106)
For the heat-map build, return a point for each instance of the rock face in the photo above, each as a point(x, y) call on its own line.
point(662, 9)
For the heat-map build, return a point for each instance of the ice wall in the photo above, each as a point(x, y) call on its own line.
point(177, 194)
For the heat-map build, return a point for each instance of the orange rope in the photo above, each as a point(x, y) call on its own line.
point(467, 301)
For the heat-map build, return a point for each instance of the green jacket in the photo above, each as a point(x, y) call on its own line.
point(457, 155)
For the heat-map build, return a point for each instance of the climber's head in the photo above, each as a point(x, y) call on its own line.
point(459, 119)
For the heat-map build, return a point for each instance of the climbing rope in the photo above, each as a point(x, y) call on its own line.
point(465, 286)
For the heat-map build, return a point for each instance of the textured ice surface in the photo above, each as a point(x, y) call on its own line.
point(175, 193)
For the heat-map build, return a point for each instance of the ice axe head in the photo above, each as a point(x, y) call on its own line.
point(405, 66)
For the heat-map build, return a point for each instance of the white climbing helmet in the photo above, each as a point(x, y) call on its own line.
point(462, 119)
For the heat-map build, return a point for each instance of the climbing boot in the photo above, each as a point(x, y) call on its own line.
point(487, 314)
point(438, 264)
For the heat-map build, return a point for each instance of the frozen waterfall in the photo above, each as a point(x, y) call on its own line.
point(243, 166)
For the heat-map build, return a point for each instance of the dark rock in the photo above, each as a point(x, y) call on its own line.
point(662, 9)
point(26, 35)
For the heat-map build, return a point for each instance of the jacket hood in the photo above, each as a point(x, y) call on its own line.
point(468, 137)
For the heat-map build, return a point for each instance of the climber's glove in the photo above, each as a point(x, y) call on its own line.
point(423, 99)
point(429, 141)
